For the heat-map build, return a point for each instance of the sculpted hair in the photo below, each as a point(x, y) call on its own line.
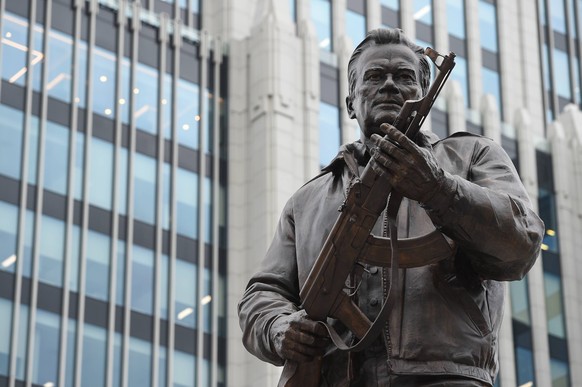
point(389, 36)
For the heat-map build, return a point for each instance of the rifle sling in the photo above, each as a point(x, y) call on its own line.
point(394, 253)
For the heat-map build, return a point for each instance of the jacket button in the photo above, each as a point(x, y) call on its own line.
point(373, 270)
point(374, 301)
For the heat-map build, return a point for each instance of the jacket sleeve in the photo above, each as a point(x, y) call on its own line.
point(489, 215)
point(273, 291)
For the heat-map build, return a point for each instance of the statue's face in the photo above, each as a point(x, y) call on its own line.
point(386, 76)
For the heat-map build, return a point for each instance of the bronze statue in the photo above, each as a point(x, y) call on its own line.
point(437, 294)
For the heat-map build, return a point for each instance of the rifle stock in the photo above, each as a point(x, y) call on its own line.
point(323, 294)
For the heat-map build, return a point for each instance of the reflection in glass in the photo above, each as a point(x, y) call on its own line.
point(355, 27)
point(488, 26)
point(94, 352)
point(101, 173)
point(11, 144)
point(15, 49)
point(554, 305)
point(56, 158)
point(52, 250)
point(97, 269)
point(184, 369)
point(5, 334)
point(104, 63)
point(456, 16)
point(144, 195)
point(188, 114)
point(525, 365)
point(186, 291)
point(560, 373)
point(491, 85)
point(394, 4)
point(460, 75)
point(59, 66)
point(321, 17)
point(329, 132)
point(187, 203)
point(145, 92)
point(8, 230)
point(520, 301)
point(142, 278)
point(562, 74)
point(423, 11)
point(46, 348)
point(139, 370)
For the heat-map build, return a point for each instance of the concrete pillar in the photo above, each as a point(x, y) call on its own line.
point(266, 159)
point(566, 139)
point(490, 118)
point(474, 53)
point(528, 173)
point(455, 107)
point(373, 15)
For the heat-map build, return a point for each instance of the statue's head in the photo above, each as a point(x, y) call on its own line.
point(385, 70)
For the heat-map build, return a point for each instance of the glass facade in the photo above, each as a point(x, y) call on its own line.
point(100, 194)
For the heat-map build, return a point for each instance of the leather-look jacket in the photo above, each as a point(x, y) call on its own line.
point(447, 315)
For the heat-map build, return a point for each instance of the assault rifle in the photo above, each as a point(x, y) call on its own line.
point(350, 243)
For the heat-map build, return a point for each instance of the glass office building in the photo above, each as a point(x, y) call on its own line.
point(147, 148)
point(112, 198)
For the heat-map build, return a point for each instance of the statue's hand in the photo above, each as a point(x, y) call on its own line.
point(298, 338)
point(411, 170)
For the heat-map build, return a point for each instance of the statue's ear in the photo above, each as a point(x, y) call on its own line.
point(350, 107)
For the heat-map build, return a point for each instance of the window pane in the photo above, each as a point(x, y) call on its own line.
point(103, 82)
point(22, 342)
point(97, 276)
point(394, 4)
point(146, 98)
point(125, 79)
point(56, 158)
point(101, 175)
point(186, 289)
point(188, 114)
point(11, 141)
point(52, 250)
point(144, 196)
point(14, 48)
point(142, 279)
point(554, 306)
point(560, 373)
point(59, 66)
point(208, 232)
point(81, 67)
point(28, 242)
point(120, 281)
point(460, 75)
point(321, 17)
point(562, 74)
point(166, 195)
point(164, 283)
point(79, 164)
point(162, 358)
point(206, 299)
point(32, 149)
point(94, 351)
point(558, 15)
point(46, 348)
point(329, 132)
point(71, 343)
point(117, 360)
point(140, 353)
point(519, 301)
point(184, 369)
point(355, 26)
point(75, 256)
point(423, 11)
point(5, 334)
point(122, 180)
point(488, 26)
point(187, 203)
point(456, 17)
point(8, 230)
point(491, 85)
point(167, 105)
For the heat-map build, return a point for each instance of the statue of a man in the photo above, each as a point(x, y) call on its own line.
point(443, 328)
